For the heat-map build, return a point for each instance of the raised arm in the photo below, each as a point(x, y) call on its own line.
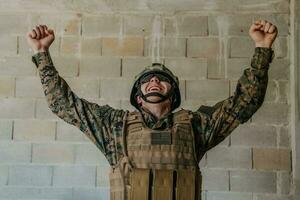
point(214, 124)
point(94, 120)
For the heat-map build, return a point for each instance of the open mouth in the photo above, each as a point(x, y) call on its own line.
point(154, 89)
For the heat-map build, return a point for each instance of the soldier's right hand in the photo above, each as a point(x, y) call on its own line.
point(40, 38)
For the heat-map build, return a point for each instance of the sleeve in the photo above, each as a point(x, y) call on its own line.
point(93, 120)
point(214, 124)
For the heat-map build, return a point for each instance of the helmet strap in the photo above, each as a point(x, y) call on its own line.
point(162, 97)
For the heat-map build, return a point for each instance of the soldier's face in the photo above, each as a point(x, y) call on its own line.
point(155, 85)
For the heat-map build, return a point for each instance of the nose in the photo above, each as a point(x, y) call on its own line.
point(154, 79)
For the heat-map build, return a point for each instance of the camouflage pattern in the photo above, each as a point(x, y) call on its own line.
point(104, 124)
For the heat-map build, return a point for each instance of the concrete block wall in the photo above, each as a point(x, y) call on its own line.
point(100, 46)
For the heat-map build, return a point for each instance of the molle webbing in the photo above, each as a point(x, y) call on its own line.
point(143, 153)
point(163, 162)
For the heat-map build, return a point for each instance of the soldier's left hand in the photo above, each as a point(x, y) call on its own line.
point(263, 33)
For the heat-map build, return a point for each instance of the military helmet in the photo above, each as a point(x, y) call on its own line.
point(157, 68)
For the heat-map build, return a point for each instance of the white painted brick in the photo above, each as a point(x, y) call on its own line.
point(103, 67)
point(84, 87)
point(16, 108)
point(123, 46)
point(70, 24)
point(101, 25)
point(188, 68)
point(88, 6)
point(207, 89)
point(91, 46)
point(34, 130)
point(102, 193)
point(254, 135)
point(241, 47)
point(68, 132)
point(10, 46)
point(6, 127)
point(29, 87)
point(253, 181)
point(229, 157)
point(236, 67)
point(224, 25)
point(62, 23)
point(285, 182)
point(74, 176)
point(103, 175)
point(271, 159)
point(66, 66)
point(203, 47)
point(15, 152)
point(182, 86)
point(138, 24)
point(89, 154)
point(279, 69)
point(10, 23)
point(165, 47)
point(274, 197)
point(284, 137)
point(187, 25)
point(216, 68)
point(216, 180)
point(131, 67)
point(3, 175)
point(115, 88)
point(284, 91)
point(17, 192)
point(219, 5)
point(276, 113)
point(43, 111)
point(280, 47)
point(52, 153)
point(70, 46)
point(7, 86)
point(212, 195)
point(24, 175)
point(17, 66)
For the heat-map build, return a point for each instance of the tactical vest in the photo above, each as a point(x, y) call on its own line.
point(157, 164)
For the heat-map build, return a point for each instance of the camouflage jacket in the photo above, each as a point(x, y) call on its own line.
point(104, 124)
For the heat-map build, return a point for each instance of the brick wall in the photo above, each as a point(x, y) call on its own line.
point(99, 47)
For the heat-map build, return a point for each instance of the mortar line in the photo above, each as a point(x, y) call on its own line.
point(12, 130)
point(121, 67)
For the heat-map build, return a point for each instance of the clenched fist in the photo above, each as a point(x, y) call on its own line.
point(263, 33)
point(40, 38)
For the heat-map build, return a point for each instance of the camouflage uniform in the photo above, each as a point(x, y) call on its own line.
point(104, 124)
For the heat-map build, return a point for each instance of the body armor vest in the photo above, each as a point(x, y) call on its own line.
point(157, 164)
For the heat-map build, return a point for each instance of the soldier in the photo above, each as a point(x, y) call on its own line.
point(154, 152)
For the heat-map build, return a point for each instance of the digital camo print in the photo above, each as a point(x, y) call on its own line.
point(104, 125)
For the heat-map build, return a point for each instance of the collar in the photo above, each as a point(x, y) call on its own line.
point(152, 122)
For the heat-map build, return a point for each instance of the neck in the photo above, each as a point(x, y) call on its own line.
point(159, 109)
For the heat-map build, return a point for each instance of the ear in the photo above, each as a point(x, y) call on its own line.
point(139, 100)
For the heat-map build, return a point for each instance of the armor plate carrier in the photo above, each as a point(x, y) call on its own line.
point(158, 164)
